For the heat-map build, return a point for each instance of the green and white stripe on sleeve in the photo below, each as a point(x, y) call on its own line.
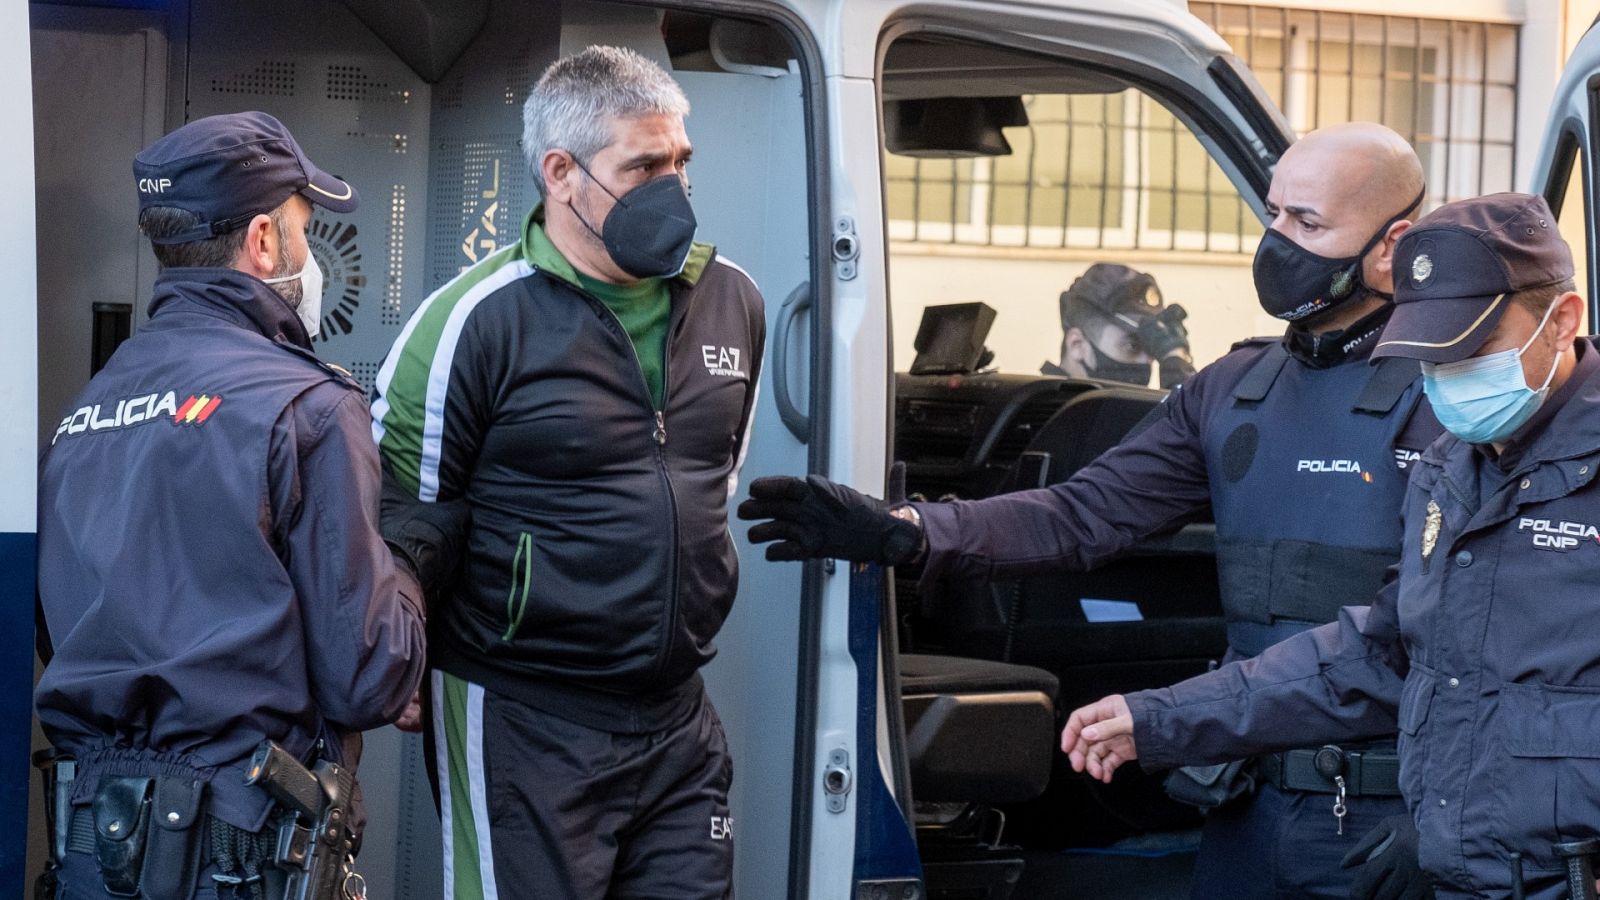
point(408, 412)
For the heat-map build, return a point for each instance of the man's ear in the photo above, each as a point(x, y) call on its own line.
point(1076, 349)
point(1383, 262)
point(260, 254)
point(1568, 316)
point(558, 168)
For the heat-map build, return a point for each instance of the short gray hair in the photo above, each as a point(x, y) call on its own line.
point(576, 99)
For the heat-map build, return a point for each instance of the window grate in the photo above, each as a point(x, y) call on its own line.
point(1119, 171)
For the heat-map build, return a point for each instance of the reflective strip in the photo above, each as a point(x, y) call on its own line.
point(463, 789)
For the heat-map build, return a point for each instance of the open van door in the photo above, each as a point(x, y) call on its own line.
point(876, 52)
point(1564, 171)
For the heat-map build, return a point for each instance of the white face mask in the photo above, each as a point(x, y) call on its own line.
point(310, 308)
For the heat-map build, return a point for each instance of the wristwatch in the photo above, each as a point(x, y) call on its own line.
point(907, 513)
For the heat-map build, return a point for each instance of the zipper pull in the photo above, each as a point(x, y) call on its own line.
point(661, 427)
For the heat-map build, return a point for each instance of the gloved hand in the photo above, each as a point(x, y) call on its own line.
point(1164, 333)
point(815, 518)
point(1385, 860)
point(430, 537)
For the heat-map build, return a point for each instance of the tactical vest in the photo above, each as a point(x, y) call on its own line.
point(1306, 488)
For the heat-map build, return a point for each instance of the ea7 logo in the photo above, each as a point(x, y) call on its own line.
point(1563, 536)
point(722, 828)
point(723, 361)
point(154, 185)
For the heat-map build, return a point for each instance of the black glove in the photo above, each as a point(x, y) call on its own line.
point(1163, 333)
point(430, 537)
point(1385, 860)
point(816, 518)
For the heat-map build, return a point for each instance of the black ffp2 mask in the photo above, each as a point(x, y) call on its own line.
point(1108, 369)
point(1293, 283)
point(650, 229)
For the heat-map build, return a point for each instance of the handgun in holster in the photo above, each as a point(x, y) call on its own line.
point(315, 844)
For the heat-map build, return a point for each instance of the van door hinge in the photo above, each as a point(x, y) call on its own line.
point(846, 247)
point(837, 780)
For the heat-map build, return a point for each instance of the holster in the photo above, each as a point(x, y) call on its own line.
point(1209, 787)
point(172, 857)
point(145, 839)
point(121, 822)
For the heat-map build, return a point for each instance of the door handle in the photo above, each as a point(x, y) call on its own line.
point(795, 305)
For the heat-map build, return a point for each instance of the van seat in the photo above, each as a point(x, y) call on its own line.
point(977, 731)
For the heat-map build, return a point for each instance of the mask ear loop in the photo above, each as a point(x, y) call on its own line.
point(1378, 236)
point(1555, 362)
point(585, 170)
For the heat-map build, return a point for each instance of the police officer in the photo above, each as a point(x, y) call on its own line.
point(1114, 324)
point(1297, 446)
point(1478, 646)
point(210, 566)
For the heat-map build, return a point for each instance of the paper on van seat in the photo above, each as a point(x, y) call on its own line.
point(1110, 610)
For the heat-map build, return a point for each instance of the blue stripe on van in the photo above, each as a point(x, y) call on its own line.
point(885, 848)
point(16, 706)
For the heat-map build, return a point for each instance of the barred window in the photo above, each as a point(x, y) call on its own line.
point(1119, 171)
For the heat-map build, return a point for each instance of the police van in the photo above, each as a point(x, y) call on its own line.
point(891, 740)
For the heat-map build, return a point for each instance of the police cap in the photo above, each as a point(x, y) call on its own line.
point(227, 170)
point(1456, 269)
point(1114, 291)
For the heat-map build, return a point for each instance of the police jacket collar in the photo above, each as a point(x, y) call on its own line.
point(1330, 348)
point(230, 295)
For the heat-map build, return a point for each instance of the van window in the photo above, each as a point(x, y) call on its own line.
point(1565, 194)
point(1083, 170)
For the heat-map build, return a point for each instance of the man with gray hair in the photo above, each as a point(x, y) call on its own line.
point(586, 393)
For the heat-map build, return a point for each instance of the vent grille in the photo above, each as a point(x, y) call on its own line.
point(935, 429)
point(366, 373)
point(396, 143)
point(269, 79)
point(1023, 426)
point(347, 82)
point(394, 288)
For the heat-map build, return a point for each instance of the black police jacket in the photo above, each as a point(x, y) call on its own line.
point(209, 560)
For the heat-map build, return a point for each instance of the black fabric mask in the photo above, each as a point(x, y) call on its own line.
point(1330, 348)
point(1293, 283)
point(1109, 369)
point(650, 229)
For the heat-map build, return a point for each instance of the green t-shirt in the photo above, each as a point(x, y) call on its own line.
point(644, 308)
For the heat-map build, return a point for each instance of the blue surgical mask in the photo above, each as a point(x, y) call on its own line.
point(1485, 399)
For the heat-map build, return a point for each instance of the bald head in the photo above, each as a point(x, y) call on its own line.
point(1367, 168)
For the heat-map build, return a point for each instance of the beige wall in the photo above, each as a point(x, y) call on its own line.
point(1024, 287)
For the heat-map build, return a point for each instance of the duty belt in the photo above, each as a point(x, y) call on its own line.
point(1367, 772)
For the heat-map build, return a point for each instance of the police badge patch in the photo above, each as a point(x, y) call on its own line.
point(1430, 529)
point(1421, 268)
